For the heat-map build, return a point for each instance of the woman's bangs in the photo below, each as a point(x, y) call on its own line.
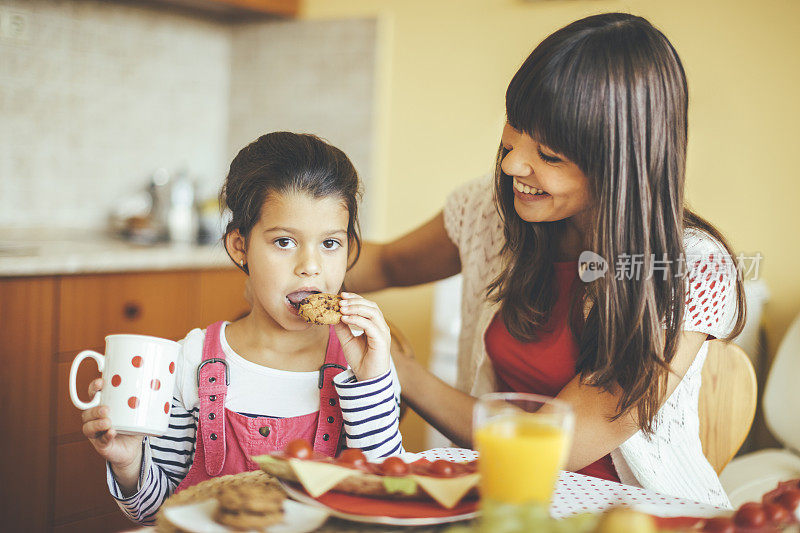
point(549, 112)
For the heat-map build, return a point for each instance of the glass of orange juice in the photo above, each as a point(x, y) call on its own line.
point(523, 441)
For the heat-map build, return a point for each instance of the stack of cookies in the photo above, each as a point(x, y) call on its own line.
point(235, 490)
point(245, 507)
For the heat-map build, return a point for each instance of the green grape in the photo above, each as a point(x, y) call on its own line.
point(459, 529)
point(536, 517)
point(512, 518)
point(579, 523)
point(501, 524)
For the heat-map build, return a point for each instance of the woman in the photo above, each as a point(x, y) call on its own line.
point(592, 158)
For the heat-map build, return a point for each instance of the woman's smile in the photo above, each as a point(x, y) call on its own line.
point(527, 193)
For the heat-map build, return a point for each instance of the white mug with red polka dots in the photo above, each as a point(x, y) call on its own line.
point(138, 382)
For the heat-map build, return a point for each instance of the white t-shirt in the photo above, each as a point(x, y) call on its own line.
point(259, 390)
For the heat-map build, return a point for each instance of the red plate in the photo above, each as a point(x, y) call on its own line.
point(365, 506)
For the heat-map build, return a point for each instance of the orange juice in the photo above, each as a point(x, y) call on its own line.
point(520, 458)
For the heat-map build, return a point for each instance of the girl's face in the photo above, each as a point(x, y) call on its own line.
point(534, 167)
point(299, 246)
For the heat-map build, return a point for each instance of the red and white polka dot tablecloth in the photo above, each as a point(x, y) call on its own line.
point(576, 493)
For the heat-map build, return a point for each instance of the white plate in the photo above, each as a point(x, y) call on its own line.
point(197, 518)
point(388, 520)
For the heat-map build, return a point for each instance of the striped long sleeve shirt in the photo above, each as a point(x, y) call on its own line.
point(370, 410)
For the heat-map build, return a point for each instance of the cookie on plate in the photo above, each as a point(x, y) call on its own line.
point(321, 309)
point(246, 507)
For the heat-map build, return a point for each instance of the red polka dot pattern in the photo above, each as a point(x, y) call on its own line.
point(710, 284)
point(576, 493)
point(166, 407)
point(155, 384)
point(172, 367)
point(116, 380)
point(136, 361)
point(133, 402)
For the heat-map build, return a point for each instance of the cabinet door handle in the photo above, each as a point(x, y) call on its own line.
point(132, 310)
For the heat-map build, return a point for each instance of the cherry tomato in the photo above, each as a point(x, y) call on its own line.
point(789, 500)
point(782, 487)
point(442, 468)
point(719, 525)
point(352, 457)
point(299, 449)
point(750, 514)
point(394, 466)
point(776, 514)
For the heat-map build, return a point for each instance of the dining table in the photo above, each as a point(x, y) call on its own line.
point(574, 494)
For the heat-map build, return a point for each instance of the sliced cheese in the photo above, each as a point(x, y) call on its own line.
point(318, 478)
point(448, 491)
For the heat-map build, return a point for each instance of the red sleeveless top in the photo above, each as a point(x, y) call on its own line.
point(548, 364)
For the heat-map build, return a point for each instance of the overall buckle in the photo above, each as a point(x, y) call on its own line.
point(215, 360)
point(322, 372)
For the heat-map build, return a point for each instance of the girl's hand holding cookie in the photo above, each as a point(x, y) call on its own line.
point(367, 354)
point(123, 452)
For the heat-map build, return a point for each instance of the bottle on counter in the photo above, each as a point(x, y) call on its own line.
point(182, 215)
point(159, 189)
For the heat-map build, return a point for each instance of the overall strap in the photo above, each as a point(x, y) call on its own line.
point(329, 423)
point(212, 385)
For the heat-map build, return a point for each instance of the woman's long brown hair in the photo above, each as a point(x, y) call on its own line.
point(608, 92)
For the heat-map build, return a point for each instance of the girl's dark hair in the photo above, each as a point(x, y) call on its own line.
point(283, 162)
point(608, 92)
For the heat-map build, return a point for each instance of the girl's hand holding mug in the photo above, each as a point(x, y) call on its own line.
point(367, 354)
point(132, 399)
point(121, 451)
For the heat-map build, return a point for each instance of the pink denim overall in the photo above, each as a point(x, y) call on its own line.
point(226, 440)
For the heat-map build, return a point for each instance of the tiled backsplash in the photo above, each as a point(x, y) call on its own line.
point(97, 95)
point(313, 77)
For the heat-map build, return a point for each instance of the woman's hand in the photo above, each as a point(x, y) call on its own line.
point(367, 354)
point(123, 452)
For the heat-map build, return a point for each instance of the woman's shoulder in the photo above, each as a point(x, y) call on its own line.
point(701, 243)
point(469, 210)
point(706, 257)
point(711, 276)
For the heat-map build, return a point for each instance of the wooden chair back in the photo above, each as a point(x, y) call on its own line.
point(727, 404)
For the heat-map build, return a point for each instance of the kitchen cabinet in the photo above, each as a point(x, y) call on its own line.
point(52, 478)
point(162, 304)
point(27, 342)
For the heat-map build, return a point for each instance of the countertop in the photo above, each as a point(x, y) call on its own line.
point(62, 251)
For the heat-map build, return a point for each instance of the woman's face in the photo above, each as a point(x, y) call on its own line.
point(547, 186)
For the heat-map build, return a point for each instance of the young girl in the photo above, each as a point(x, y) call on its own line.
point(592, 158)
point(251, 386)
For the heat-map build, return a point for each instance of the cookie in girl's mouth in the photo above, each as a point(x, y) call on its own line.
point(321, 308)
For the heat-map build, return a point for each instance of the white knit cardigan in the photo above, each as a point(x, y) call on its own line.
point(671, 460)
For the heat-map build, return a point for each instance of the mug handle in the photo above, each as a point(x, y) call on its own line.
point(73, 375)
